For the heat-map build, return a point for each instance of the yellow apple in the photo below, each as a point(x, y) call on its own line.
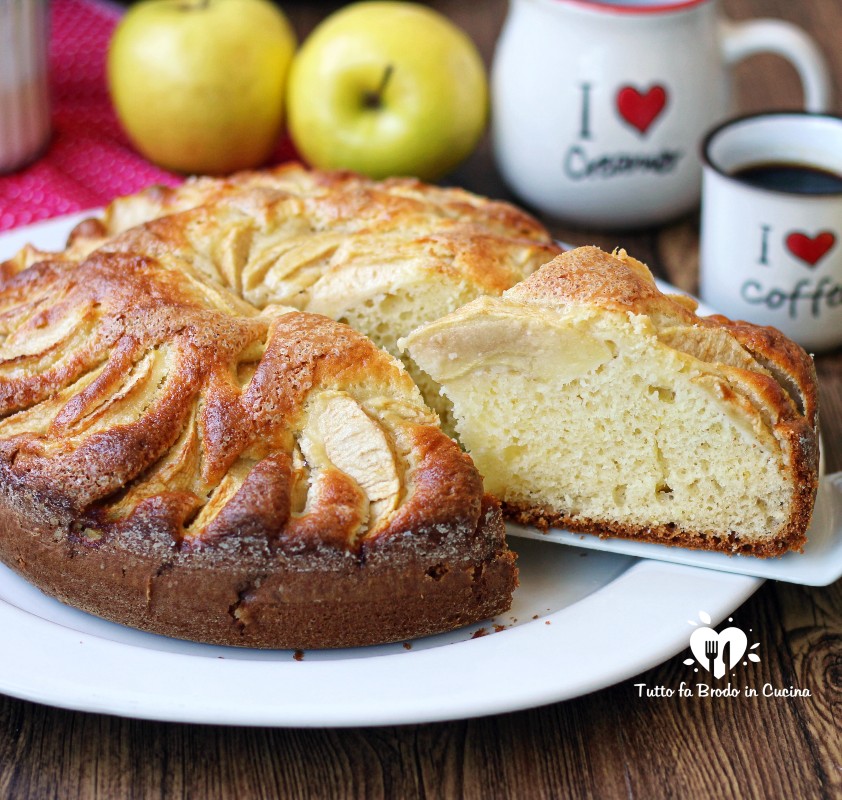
point(387, 88)
point(199, 85)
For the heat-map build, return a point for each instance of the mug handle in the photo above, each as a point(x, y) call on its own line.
point(742, 39)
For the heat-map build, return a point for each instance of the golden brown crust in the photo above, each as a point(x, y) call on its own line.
point(480, 233)
point(294, 179)
point(489, 246)
point(76, 461)
point(443, 234)
point(587, 275)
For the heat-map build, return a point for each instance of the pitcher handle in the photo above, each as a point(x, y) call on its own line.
point(742, 39)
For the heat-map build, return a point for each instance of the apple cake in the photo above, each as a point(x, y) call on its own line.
point(590, 400)
point(191, 446)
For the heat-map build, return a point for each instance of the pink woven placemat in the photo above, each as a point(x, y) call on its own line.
point(89, 160)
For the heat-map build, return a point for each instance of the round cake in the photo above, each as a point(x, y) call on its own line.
point(185, 447)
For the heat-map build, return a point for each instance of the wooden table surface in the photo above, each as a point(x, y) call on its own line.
point(608, 744)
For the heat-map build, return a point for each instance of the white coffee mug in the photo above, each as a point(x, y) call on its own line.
point(772, 254)
point(599, 107)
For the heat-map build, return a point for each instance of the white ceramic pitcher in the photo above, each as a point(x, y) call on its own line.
point(599, 107)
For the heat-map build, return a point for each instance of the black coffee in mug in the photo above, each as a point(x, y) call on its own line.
point(771, 232)
point(794, 178)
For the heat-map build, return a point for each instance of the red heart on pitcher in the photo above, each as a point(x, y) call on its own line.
point(810, 249)
point(641, 109)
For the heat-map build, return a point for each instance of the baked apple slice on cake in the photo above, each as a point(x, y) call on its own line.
point(174, 460)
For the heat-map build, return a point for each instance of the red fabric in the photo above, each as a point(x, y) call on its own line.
point(89, 161)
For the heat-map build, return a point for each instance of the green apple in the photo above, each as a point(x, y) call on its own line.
point(387, 88)
point(199, 85)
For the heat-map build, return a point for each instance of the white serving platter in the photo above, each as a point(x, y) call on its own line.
point(580, 621)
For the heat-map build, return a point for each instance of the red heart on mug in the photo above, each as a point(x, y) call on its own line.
point(641, 109)
point(810, 249)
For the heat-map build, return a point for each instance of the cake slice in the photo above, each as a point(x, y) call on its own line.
point(590, 400)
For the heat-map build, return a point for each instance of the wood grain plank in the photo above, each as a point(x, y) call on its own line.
point(811, 634)
point(769, 82)
point(611, 744)
point(736, 746)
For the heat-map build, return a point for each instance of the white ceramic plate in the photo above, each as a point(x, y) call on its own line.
point(580, 621)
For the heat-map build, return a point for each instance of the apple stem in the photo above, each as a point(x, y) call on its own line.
point(374, 99)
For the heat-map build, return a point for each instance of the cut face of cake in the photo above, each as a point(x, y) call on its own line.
point(589, 400)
